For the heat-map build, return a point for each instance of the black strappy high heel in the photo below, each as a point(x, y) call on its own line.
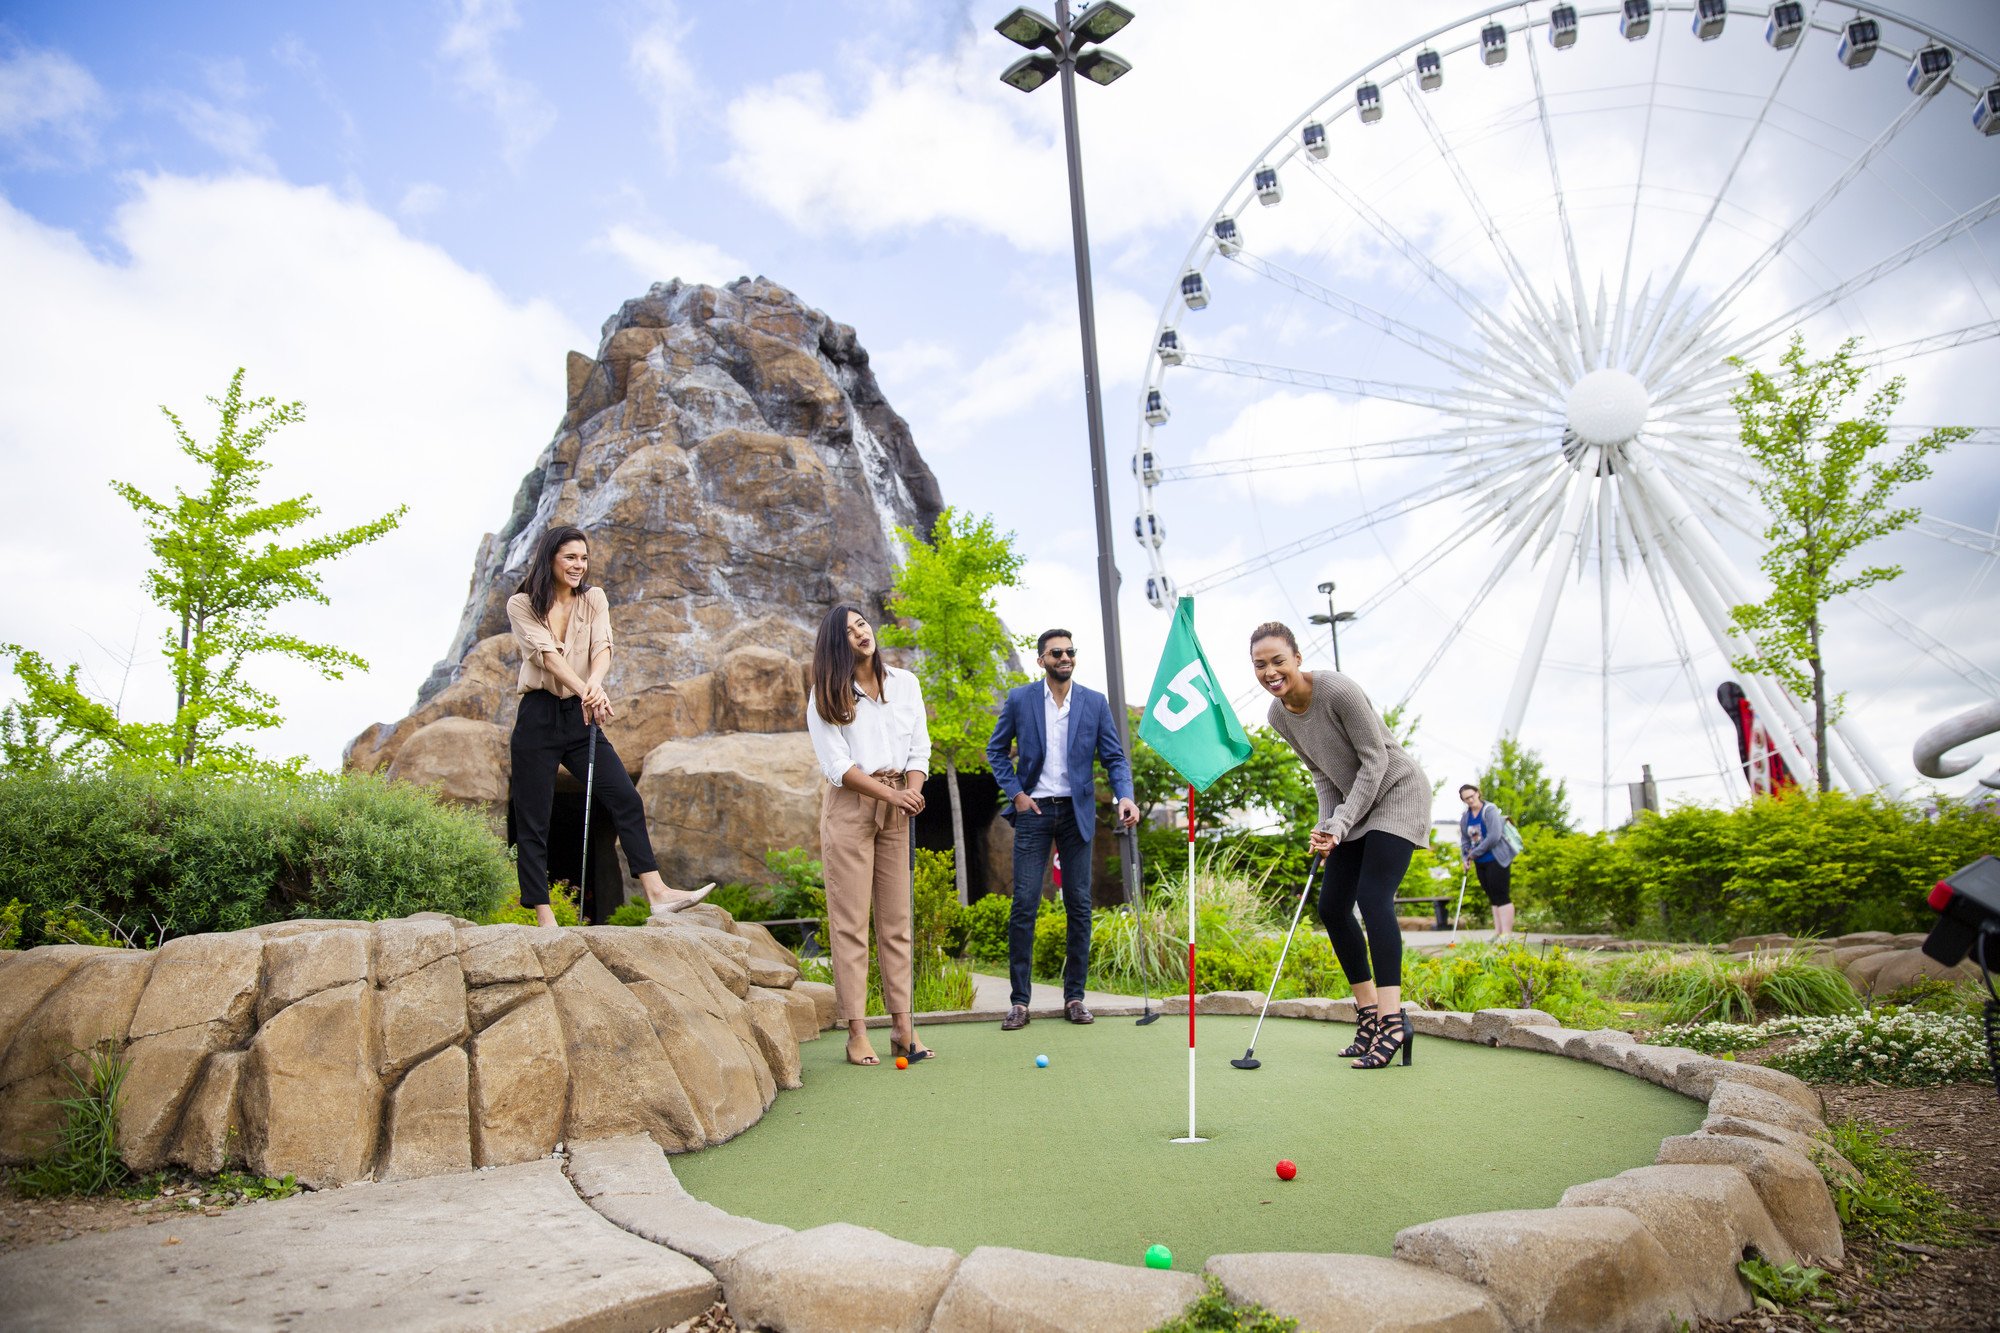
point(1364, 1032)
point(1390, 1036)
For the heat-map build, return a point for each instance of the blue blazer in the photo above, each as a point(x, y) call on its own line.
point(1022, 727)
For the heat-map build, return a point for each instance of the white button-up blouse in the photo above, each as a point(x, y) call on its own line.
point(889, 736)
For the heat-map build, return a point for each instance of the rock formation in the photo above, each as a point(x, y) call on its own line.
point(339, 1050)
point(739, 471)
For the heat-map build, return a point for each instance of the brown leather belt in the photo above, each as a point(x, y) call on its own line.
point(892, 777)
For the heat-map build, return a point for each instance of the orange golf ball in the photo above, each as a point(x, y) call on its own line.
point(902, 1062)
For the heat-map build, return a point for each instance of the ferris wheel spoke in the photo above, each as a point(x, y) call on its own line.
point(1439, 349)
point(1410, 503)
point(1457, 401)
point(1868, 277)
point(1936, 342)
point(1958, 534)
point(1452, 541)
point(1522, 286)
point(1614, 343)
point(1489, 321)
point(1642, 341)
point(1587, 332)
point(1444, 443)
point(1568, 532)
point(1964, 667)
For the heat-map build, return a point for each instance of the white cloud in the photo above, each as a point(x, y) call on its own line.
point(421, 199)
point(471, 43)
point(224, 121)
point(49, 107)
point(422, 384)
point(656, 256)
point(665, 76)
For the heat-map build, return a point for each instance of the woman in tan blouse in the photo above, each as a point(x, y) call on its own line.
point(563, 625)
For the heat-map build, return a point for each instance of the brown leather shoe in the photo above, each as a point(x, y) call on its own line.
point(1016, 1019)
point(1074, 1011)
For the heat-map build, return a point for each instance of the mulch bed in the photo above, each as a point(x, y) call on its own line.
point(1955, 1132)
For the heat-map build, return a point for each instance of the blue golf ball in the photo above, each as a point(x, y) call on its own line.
point(1041, 1062)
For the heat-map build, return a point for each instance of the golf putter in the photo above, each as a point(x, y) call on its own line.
point(1139, 925)
point(1461, 902)
point(589, 786)
point(1250, 1060)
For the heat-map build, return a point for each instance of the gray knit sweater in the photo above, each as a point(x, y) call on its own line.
point(1365, 780)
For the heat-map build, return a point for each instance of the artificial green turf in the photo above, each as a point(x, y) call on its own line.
point(979, 1147)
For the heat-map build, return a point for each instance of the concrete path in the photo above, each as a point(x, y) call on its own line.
point(510, 1248)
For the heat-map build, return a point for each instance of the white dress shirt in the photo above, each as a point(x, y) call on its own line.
point(891, 735)
point(1054, 779)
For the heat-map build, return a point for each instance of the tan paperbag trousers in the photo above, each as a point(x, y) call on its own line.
point(864, 847)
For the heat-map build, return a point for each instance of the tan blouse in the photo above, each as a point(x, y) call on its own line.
point(589, 634)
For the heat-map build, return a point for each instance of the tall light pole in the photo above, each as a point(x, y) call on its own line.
point(1061, 54)
point(1331, 621)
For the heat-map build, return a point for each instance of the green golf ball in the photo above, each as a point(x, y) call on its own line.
point(1159, 1256)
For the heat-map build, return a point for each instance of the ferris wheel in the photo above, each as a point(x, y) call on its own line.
point(1463, 330)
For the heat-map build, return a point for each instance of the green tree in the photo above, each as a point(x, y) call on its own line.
point(1827, 497)
point(1515, 781)
point(945, 593)
point(220, 572)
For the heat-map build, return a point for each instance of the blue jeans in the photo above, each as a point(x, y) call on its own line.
point(1033, 835)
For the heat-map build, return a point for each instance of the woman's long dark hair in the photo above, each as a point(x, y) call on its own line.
point(833, 666)
point(540, 585)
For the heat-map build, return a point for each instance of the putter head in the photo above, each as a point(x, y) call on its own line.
point(1248, 1061)
point(1145, 1019)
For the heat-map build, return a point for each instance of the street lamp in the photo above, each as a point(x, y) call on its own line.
point(1059, 54)
point(1331, 621)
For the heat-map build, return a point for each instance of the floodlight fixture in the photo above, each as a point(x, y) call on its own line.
point(1024, 27)
point(1102, 66)
point(1030, 72)
point(1100, 22)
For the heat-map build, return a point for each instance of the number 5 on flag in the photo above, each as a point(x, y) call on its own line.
point(1182, 687)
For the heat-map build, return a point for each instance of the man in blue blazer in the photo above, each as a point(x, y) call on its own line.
point(1054, 729)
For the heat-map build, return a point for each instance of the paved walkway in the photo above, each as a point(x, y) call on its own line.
point(510, 1248)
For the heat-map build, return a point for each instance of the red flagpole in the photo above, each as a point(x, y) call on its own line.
point(1190, 889)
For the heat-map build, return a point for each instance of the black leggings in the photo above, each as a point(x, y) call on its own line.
point(1367, 871)
point(1495, 881)
point(550, 731)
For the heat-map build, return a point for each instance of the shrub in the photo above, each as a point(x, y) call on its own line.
point(744, 902)
point(635, 913)
point(10, 923)
point(798, 887)
point(1212, 1313)
point(938, 927)
point(173, 855)
point(561, 902)
point(984, 925)
point(1485, 976)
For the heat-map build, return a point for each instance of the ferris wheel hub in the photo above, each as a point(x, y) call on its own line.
point(1608, 407)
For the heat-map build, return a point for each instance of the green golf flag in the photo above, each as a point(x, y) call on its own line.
point(1187, 718)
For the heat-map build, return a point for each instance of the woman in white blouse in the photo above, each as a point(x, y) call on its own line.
point(867, 724)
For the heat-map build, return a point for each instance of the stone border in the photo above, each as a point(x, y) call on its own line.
point(1639, 1250)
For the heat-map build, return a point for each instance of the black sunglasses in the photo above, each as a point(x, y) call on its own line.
point(1061, 652)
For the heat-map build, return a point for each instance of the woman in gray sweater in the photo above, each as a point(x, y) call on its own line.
point(1374, 813)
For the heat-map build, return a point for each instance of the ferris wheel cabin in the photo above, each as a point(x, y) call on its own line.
point(1787, 25)
point(1313, 136)
point(1269, 191)
point(1709, 16)
point(1930, 68)
point(1858, 42)
point(1562, 27)
point(1159, 591)
point(1194, 291)
point(1493, 44)
point(1150, 529)
point(1168, 347)
point(1228, 239)
point(1430, 70)
point(1368, 98)
point(1146, 467)
point(1636, 19)
point(1986, 111)
point(1156, 408)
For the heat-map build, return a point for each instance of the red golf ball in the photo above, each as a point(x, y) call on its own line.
point(1286, 1169)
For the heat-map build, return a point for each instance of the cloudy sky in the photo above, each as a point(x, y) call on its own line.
point(405, 215)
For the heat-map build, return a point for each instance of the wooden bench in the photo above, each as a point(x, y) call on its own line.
point(1437, 908)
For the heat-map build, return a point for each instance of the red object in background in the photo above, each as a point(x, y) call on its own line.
point(1286, 1170)
point(1762, 765)
point(1055, 860)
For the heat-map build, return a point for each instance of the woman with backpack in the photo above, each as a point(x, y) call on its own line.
point(1483, 842)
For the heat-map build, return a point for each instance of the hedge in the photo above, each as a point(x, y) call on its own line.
point(174, 856)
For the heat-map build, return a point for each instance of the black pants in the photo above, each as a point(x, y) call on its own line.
point(1495, 881)
point(1366, 871)
point(550, 731)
